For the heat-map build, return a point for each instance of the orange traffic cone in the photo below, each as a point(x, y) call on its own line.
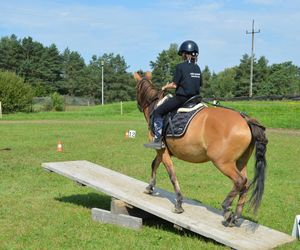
point(59, 146)
point(126, 134)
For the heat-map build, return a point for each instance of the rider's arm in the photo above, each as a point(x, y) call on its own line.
point(170, 85)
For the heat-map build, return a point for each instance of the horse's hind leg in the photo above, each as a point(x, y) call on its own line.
point(242, 166)
point(154, 166)
point(239, 182)
point(233, 219)
point(241, 203)
point(166, 159)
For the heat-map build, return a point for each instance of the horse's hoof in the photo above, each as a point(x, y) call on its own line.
point(149, 190)
point(227, 215)
point(227, 223)
point(178, 210)
point(231, 224)
point(237, 222)
point(231, 221)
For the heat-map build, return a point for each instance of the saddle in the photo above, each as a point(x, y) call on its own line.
point(177, 122)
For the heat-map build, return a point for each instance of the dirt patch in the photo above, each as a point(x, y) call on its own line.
point(283, 131)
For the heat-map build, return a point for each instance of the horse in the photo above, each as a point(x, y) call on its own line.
point(217, 134)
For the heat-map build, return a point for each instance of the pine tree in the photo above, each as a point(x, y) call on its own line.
point(10, 53)
point(206, 90)
point(51, 68)
point(261, 73)
point(73, 74)
point(242, 77)
point(118, 83)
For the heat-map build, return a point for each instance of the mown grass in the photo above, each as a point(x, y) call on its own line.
point(272, 114)
point(110, 111)
point(39, 210)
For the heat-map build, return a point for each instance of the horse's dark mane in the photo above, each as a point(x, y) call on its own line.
point(146, 92)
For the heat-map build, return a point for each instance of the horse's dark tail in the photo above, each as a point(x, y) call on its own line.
point(258, 183)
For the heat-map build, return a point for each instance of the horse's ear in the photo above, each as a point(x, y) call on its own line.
point(148, 75)
point(137, 77)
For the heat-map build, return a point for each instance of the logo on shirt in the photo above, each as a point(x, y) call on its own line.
point(195, 75)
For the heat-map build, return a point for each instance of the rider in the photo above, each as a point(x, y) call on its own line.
point(187, 80)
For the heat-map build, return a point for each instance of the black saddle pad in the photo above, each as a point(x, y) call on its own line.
point(179, 122)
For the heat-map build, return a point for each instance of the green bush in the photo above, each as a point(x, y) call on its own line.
point(48, 106)
point(58, 102)
point(15, 95)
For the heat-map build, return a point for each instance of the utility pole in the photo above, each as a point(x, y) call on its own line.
point(252, 56)
point(102, 89)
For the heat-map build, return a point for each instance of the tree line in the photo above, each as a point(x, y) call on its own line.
point(276, 79)
point(46, 70)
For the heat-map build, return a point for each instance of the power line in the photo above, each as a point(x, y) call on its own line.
point(252, 56)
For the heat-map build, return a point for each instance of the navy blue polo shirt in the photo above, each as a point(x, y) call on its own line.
point(188, 79)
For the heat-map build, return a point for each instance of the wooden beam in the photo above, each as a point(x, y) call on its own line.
point(198, 217)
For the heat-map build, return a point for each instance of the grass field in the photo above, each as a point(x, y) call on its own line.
point(39, 210)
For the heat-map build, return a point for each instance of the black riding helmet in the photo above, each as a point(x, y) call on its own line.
point(189, 47)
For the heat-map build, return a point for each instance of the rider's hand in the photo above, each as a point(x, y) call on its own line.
point(165, 87)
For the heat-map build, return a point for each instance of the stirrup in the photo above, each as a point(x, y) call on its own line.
point(155, 145)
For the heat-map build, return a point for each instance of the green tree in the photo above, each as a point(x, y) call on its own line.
point(50, 68)
point(118, 83)
point(10, 53)
point(260, 75)
point(223, 83)
point(242, 77)
point(58, 102)
point(15, 94)
point(40, 66)
point(73, 74)
point(92, 87)
point(284, 79)
point(206, 90)
point(164, 66)
point(31, 60)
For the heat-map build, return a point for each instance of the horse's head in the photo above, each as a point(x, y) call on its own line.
point(146, 80)
point(146, 92)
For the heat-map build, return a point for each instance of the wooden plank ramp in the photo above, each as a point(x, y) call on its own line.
point(197, 217)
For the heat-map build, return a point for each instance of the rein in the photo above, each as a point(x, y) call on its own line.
point(142, 108)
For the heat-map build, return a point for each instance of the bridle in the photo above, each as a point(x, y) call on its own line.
point(142, 108)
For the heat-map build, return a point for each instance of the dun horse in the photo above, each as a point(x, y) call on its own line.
point(215, 134)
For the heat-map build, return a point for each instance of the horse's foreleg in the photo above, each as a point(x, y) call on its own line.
point(154, 166)
point(171, 171)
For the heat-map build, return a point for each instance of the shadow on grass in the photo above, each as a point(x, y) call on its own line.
point(89, 200)
point(160, 224)
point(95, 200)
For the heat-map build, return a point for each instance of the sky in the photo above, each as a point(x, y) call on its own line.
point(140, 30)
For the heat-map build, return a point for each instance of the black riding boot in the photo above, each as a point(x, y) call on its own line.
point(157, 142)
